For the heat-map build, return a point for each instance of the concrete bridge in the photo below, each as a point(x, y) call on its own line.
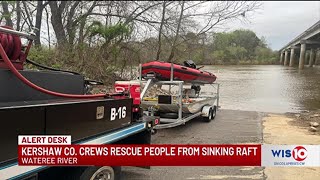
point(304, 49)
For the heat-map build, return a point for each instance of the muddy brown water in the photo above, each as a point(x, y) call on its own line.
point(268, 88)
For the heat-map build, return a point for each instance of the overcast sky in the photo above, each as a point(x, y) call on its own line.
point(281, 21)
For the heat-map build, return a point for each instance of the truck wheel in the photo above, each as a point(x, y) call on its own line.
point(101, 173)
point(209, 118)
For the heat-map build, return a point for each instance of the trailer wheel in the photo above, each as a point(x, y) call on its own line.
point(169, 115)
point(153, 131)
point(214, 112)
point(209, 118)
point(101, 173)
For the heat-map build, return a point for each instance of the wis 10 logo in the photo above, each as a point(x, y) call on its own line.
point(298, 154)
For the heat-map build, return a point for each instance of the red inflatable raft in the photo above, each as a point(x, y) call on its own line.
point(162, 71)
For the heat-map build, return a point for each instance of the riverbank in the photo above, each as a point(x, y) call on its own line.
point(249, 62)
point(307, 119)
point(290, 129)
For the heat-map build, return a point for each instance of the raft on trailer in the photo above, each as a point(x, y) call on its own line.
point(187, 73)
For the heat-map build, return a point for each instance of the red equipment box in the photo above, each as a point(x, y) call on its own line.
point(132, 86)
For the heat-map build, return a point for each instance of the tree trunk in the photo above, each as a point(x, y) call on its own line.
point(71, 25)
point(56, 21)
point(6, 13)
point(83, 21)
point(160, 30)
point(81, 31)
point(18, 15)
point(173, 47)
point(48, 28)
point(37, 41)
point(203, 50)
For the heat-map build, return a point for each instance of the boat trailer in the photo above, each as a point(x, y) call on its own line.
point(205, 105)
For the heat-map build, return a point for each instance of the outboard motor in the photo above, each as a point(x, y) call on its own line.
point(196, 88)
point(189, 63)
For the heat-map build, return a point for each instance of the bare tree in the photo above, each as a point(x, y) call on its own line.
point(40, 7)
point(67, 17)
point(173, 47)
point(18, 12)
point(27, 13)
point(70, 23)
point(6, 13)
point(160, 29)
point(210, 18)
point(56, 20)
point(48, 27)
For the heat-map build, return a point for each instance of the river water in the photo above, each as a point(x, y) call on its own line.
point(268, 88)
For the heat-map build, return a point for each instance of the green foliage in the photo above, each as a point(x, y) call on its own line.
point(42, 55)
point(222, 40)
point(236, 47)
point(265, 55)
point(92, 62)
point(241, 47)
point(219, 54)
point(236, 52)
point(5, 15)
point(109, 32)
point(12, 3)
point(246, 39)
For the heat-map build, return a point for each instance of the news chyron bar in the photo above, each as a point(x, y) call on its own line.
point(58, 151)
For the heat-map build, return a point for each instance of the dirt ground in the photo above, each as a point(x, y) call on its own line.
point(290, 129)
point(305, 118)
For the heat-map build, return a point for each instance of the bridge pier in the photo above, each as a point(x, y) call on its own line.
point(291, 63)
point(306, 58)
point(302, 55)
point(311, 58)
point(286, 57)
point(281, 58)
point(317, 60)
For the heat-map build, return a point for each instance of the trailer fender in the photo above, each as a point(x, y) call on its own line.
point(206, 110)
